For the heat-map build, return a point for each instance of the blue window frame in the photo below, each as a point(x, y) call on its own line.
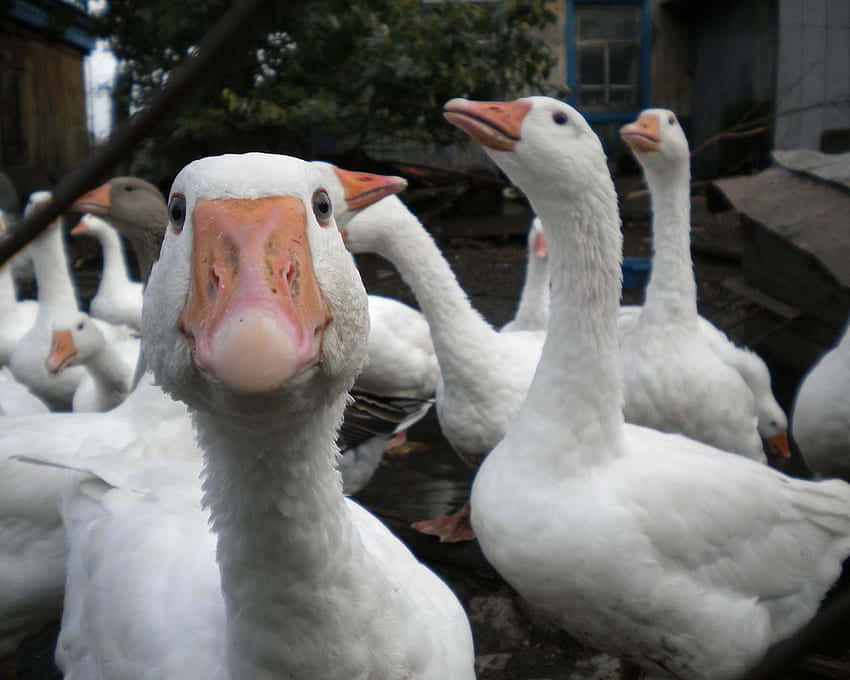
point(608, 48)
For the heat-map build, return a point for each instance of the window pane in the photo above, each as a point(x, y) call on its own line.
point(624, 63)
point(623, 98)
point(592, 96)
point(607, 23)
point(591, 65)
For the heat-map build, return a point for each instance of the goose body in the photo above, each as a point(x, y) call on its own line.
point(401, 359)
point(110, 366)
point(32, 540)
point(673, 380)
point(820, 420)
point(57, 304)
point(682, 558)
point(118, 299)
point(290, 567)
point(772, 421)
point(16, 399)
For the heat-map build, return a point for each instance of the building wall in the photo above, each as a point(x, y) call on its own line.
point(813, 82)
point(42, 120)
point(734, 80)
point(671, 72)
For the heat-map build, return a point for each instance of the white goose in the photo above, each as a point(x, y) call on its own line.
point(110, 366)
point(677, 556)
point(484, 374)
point(532, 312)
point(820, 417)
point(256, 317)
point(57, 303)
point(118, 298)
point(16, 316)
point(673, 380)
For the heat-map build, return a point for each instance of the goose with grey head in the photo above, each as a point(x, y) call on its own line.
point(136, 208)
point(681, 374)
point(484, 374)
point(682, 558)
point(255, 316)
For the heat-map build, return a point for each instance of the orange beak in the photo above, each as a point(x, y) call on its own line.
point(62, 352)
point(540, 249)
point(495, 125)
point(97, 201)
point(81, 228)
point(643, 134)
point(363, 188)
point(778, 444)
point(255, 315)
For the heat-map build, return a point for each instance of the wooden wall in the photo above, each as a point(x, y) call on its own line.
point(42, 107)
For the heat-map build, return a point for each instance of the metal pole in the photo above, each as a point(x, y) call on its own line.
point(134, 130)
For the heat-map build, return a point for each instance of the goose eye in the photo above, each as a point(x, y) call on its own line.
point(80, 326)
point(128, 187)
point(672, 120)
point(559, 117)
point(177, 212)
point(322, 207)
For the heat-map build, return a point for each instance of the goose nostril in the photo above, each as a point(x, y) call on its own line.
point(214, 283)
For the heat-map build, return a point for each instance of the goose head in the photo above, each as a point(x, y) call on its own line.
point(534, 139)
point(74, 344)
point(657, 141)
point(35, 199)
point(136, 209)
point(90, 225)
point(254, 293)
point(547, 149)
point(352, 192)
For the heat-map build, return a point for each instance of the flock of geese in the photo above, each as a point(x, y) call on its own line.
point(170, 469)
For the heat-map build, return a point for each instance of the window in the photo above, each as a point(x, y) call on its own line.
point(608, 57)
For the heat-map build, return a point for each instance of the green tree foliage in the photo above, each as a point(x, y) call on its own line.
point(354, 71)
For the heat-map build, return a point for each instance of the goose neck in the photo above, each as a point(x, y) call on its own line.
point(108, 370)
point(533, 308)
point(577, 386)
point(457, 329)
point(55, 286)
point(114, 267)
point(282, 525)
point(8, 295)
point(671, 292)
